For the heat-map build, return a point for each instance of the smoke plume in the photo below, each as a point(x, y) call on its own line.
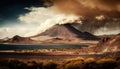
point(46, 18)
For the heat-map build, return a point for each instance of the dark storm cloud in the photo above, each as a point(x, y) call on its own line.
point(11, 9)
point(20, 2)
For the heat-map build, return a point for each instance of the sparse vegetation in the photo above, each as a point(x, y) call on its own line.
point(49, 65)
point(73, 63)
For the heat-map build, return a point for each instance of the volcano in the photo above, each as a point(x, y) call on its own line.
point(67, 31)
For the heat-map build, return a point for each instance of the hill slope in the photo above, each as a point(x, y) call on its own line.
point(67, 32)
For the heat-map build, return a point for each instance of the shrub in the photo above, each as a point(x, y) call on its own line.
point(89, 60)
point(118, 67)
point(49, 65)
point(34, 65)
point(74, 65)
point(107, 63)
point(74, 59)
point(105, 60)
point(90, 64)
point(4, 63)
point(15, 64)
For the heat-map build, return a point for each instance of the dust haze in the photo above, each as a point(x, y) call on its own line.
point(88, 7)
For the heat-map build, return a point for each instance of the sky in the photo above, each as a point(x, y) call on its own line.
point(31, 17)
point(11, 9)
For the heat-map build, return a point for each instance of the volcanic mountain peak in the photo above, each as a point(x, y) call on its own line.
point(67, 32)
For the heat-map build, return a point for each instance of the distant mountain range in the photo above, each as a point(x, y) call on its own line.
point(59, 33)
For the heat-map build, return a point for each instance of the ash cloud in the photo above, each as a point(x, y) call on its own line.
point(91, 11)
point(88, 7)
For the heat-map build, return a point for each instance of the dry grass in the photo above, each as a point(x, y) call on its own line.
point(73, 63)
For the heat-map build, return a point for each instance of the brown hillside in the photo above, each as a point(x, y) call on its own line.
point(106, 44)
point(21, 40)
point(110, 42)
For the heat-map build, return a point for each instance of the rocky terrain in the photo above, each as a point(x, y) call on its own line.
point(106, 44)
point(110, 43)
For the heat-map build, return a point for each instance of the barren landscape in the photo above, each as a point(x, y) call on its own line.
point(59, 34)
